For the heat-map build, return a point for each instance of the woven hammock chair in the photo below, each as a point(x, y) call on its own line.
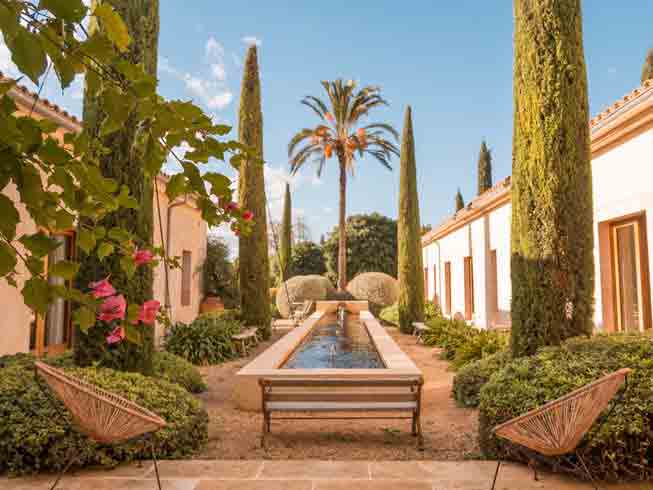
point(558, 427)
point(99, 414)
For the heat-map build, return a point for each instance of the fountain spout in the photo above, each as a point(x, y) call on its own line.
point(341, 315)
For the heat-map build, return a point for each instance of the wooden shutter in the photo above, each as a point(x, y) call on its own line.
point(186, 278)
point(447, 286)
point(469, 288)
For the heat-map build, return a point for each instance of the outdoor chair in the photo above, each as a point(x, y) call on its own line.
point(557, 427)
point(302, 312)
point(99, 414)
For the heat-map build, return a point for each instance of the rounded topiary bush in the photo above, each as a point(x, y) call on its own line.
point(36, 432)
point(178, 370)
point(302, 288)
point(620, 445)
point(471, 378)
point(379, 289)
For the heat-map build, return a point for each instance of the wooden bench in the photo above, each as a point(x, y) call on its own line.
point(419, 329)
point(245, 338)
point(323, 395)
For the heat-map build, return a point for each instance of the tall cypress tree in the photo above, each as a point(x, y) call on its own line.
point(285, 252)
point(552, 266)
point(409, 257)
point(459, 201)
point(647, 69)
point(253, 265)
point(123, 165)
point(484, 169)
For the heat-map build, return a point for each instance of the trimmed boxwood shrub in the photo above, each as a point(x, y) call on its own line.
point(619, 449)
point(206, 340)
point(471, 378)
point(36, 432)
point(178, 370)
point(390, 314)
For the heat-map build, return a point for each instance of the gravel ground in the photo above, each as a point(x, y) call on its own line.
point(449, 431)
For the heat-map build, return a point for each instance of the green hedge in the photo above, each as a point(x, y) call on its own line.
point(207, 340)
point(471, 378)
point(390, 314)
point(622, 448)
point(462, 343)
point(175, 369)
point(36, 435)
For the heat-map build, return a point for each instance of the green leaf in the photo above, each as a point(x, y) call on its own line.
point(37, 294)
point(28, 54)
point(132, 333)
point(104, 250)
point(220, 184)
point(132, 312)
point(7, 259)
point(8, 218)
point(85, 240)
point(65, 269)
point(113, 26)
point(176, 186)
point(72, 11)
point(127, 265)
point(84, 317)
point(119, 234)
point(39, 244)
point(125, 200)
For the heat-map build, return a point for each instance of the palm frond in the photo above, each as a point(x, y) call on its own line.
point(298, 138)
point(384, 127)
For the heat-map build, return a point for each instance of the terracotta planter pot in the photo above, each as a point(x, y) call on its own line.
point(211, 304)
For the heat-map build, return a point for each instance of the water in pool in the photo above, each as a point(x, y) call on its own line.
point(331, 346)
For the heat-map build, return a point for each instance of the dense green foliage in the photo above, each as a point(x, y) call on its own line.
point(253, 265)
point(371, 245)
point(61, 188)
point(207, 340)
point(618, 446)
point(552, 263)
point(307, 259)
point(176, 369)
point(340, 134)
point(647, 69)
point(472, 377)
point(124, 164)
point(459, 201)
point(36, 434)
point(462, 343)
point(390, 314)
point(409, 246)
point(285, 247)
point(484, 169)
point(218, 273)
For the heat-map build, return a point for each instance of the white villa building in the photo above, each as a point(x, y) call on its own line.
point(467, 258)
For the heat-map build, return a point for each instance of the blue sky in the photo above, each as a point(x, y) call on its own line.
point(452, 61)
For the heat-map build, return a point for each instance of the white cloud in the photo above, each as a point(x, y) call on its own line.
point(218, 71)
point(327, 210)
point(213, 49)
point(220, 101)
point(252, 40)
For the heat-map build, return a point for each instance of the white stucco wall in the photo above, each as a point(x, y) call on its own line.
point(499, 222)
point(622, 186)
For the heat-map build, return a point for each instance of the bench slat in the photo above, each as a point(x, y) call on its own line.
point(346, 396)
point(339, 406)
point(285, 382)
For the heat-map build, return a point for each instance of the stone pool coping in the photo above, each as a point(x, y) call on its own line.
point(247, 393)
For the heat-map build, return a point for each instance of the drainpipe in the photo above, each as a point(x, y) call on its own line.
point(170, 207)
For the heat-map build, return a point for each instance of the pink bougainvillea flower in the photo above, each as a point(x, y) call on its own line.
point(248, 215)
point(113, 308)
point(117, 335)
point(102, 289)
point(232, 206)
point(143, 257)
point(148, 311)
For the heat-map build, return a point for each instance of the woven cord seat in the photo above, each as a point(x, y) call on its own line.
point(99, 414)
point(557, 427)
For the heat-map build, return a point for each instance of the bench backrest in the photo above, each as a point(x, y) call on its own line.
point(341, 390)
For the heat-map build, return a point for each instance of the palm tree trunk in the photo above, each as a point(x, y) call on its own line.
point(342, 233)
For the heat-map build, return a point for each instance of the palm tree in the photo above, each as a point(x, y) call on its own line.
point(341, 134)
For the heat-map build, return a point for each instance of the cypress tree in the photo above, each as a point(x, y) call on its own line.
point(484, 169)
point(253, 262)
point(460, 203)
point(552, 266)
point(124, 166)
point(647, 69)
point(285, 252)
point(409, 256)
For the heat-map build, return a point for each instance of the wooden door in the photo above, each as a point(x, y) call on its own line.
point(469, 288)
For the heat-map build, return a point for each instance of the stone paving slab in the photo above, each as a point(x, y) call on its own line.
point(310, 475)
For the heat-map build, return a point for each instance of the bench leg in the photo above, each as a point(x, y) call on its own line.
point(264, 429)
point(414, 428)
point(420, 436)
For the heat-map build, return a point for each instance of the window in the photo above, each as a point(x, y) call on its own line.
point(447, 287)
point(435, 285)
point(186, 278)
point(52, 334)
point(493, 286)
point(469, 288)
